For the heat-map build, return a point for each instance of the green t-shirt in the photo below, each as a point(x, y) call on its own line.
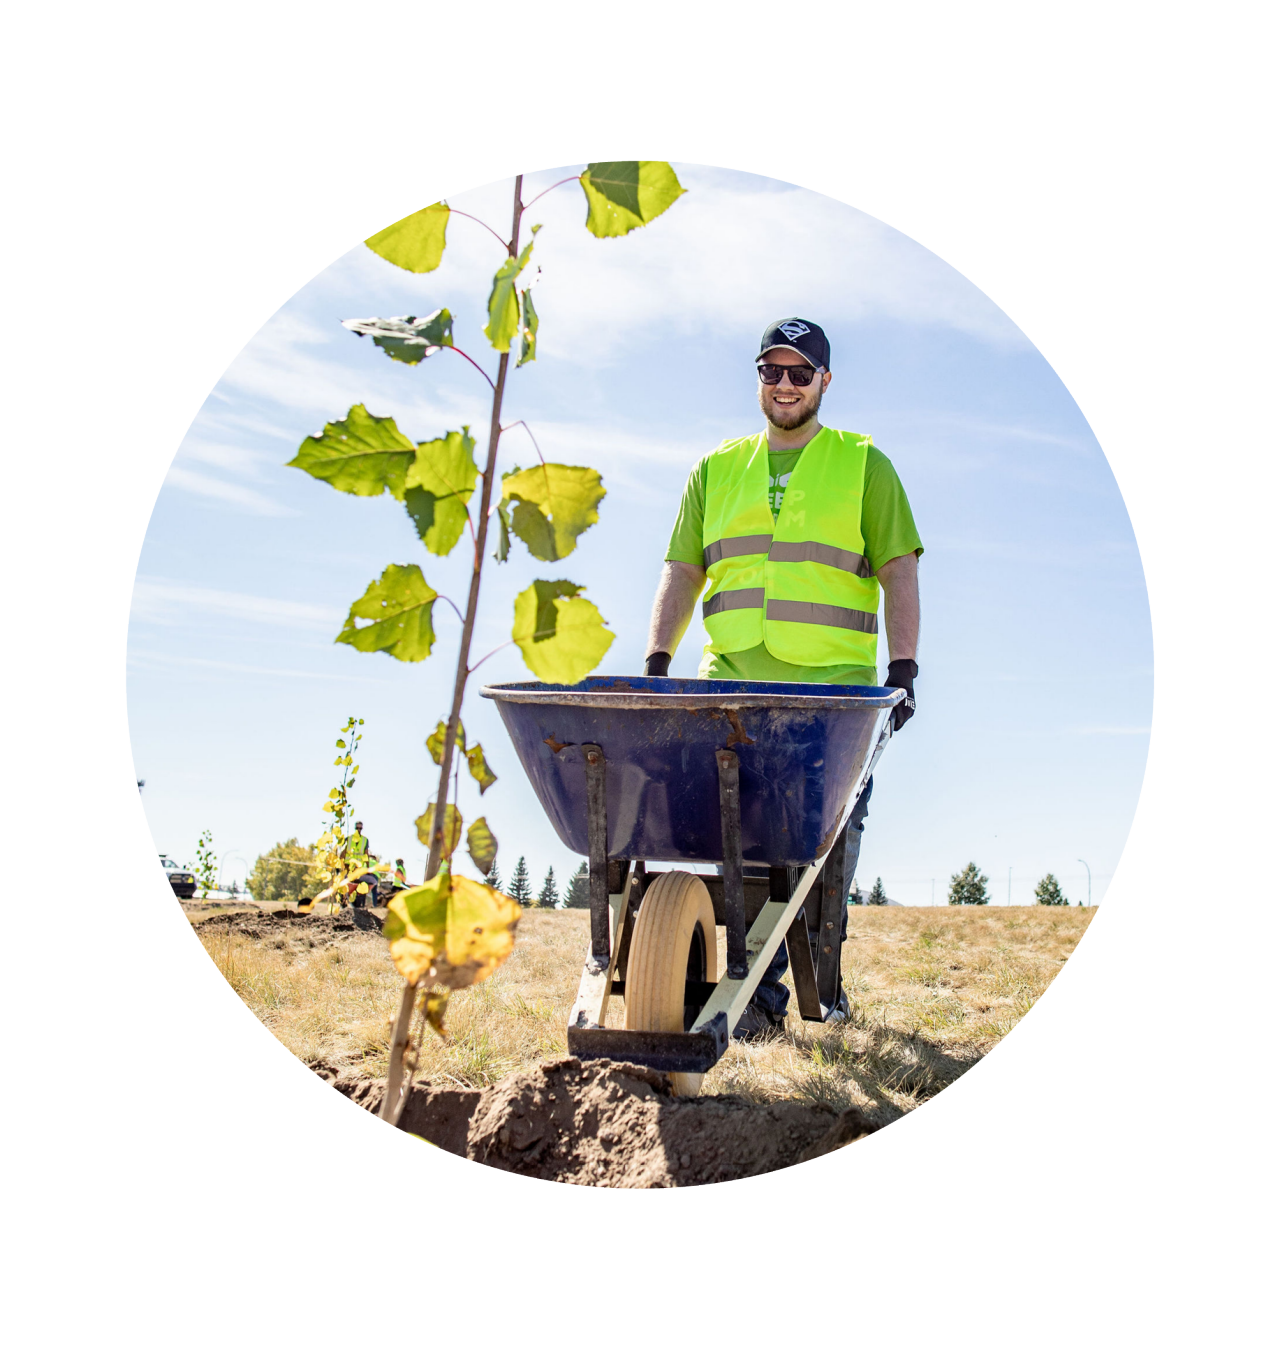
point(888, 530)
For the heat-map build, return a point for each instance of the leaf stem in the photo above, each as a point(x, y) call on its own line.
point(457, 213)
point(573, 178)
point(490, 655)
point(533, 440)
point(462, 353)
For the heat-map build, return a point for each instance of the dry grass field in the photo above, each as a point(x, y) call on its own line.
point(932, 991)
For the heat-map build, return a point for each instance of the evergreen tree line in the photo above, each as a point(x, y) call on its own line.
point(520, 887)
point(968, 887)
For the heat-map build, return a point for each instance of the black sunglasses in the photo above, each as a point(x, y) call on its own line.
point(771, 374)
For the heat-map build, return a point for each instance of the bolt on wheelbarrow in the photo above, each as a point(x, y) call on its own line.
point(757, 778)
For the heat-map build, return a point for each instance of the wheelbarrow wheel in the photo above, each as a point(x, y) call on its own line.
point(674, 941)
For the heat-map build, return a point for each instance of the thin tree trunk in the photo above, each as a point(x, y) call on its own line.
point(390, 1109)
point(473, 598)
point(391, 1100)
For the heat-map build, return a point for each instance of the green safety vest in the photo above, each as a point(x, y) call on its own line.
point(801, 585)
point(358, 846)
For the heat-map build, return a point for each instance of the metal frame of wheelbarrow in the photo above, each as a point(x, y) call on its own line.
point(758, 915)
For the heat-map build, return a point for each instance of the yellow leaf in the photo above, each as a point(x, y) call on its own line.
point(436, 1004)
point(451, 930)
point(416, 242)
point(478, 766)
point(435, 741)
point(554, 505)
point(482, 844)
point(452, 828)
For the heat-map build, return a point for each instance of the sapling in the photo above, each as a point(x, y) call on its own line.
point(206, 867)
point(452, 931)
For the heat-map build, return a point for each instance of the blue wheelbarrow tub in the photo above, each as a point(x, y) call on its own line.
point(801, 750)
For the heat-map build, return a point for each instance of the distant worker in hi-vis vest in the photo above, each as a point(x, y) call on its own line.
point(357, 855)
point(793, 532)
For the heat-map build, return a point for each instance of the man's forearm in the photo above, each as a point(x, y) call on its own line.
point(900, 581)
point(678, 591)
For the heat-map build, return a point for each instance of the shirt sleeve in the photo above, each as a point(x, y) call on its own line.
point(888, 528)
point(686, 535)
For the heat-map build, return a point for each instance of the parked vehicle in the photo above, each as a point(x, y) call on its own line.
point(182, 881)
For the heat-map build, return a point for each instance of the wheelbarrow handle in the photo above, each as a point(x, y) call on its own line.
point(886, 734)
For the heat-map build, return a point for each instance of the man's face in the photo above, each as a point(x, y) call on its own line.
point(359, 825)
point(786, 406)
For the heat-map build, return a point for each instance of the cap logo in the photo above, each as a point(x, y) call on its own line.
point(793, 329)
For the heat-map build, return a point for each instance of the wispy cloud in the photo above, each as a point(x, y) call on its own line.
point(155, 659)
point(212, 487)
point(1111, 730)
point(162, 600)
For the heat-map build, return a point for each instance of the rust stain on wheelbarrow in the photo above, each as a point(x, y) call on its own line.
point(739, 734)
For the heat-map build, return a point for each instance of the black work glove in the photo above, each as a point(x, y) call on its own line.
point(657, 664)
point(902, 674)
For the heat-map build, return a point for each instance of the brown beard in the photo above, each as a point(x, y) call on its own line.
point(799, 413)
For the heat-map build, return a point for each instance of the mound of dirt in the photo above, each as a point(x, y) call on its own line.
point(440, 1115)
point(613, 1125)
point(257, 925)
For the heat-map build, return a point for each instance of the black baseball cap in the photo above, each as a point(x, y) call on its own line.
point(802, 335)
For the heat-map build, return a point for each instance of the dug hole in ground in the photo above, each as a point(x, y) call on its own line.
point(932, 990)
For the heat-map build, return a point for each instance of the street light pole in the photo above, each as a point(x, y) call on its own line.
point(223, 859)
point(1086, 867)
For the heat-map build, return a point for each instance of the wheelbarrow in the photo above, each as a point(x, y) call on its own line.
point(757, 778)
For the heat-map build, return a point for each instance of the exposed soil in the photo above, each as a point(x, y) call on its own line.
point(613, 1125)
point(253, 925)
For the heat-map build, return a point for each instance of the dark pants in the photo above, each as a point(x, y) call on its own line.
point(358, 901)
point(772, 995)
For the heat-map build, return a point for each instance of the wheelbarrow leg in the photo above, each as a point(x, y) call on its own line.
point(731, 996)
point(829, 941)
point(735, 906)
point(800, 955)
point(610, 887)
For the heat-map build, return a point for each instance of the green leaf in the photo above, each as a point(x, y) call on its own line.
point(450, 930)
point(481, 844)
point(561, 636)
point(437, 488)
point(408, 339)
point(528, 328)
point(480, 770)
point(504, 305)
point(362, 454)
point(397, 607)
point(341, 744)
point(555, 505)
point(503, 549)
point(416, 242)
point(435, 741)
point(624, 194)
point(452, 827)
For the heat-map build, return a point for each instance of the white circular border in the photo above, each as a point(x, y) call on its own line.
point(1100, 176)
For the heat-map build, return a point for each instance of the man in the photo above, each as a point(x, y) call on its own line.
point(357, 856)
point(794, 531)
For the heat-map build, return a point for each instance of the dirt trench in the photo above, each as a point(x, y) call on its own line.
point(612, 1125)
point(252, 925)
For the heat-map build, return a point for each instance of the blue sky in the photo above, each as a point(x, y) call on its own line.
point(1028, 749)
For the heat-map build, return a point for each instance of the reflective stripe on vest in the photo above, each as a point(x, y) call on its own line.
point(803, 586)
point(836, 557)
